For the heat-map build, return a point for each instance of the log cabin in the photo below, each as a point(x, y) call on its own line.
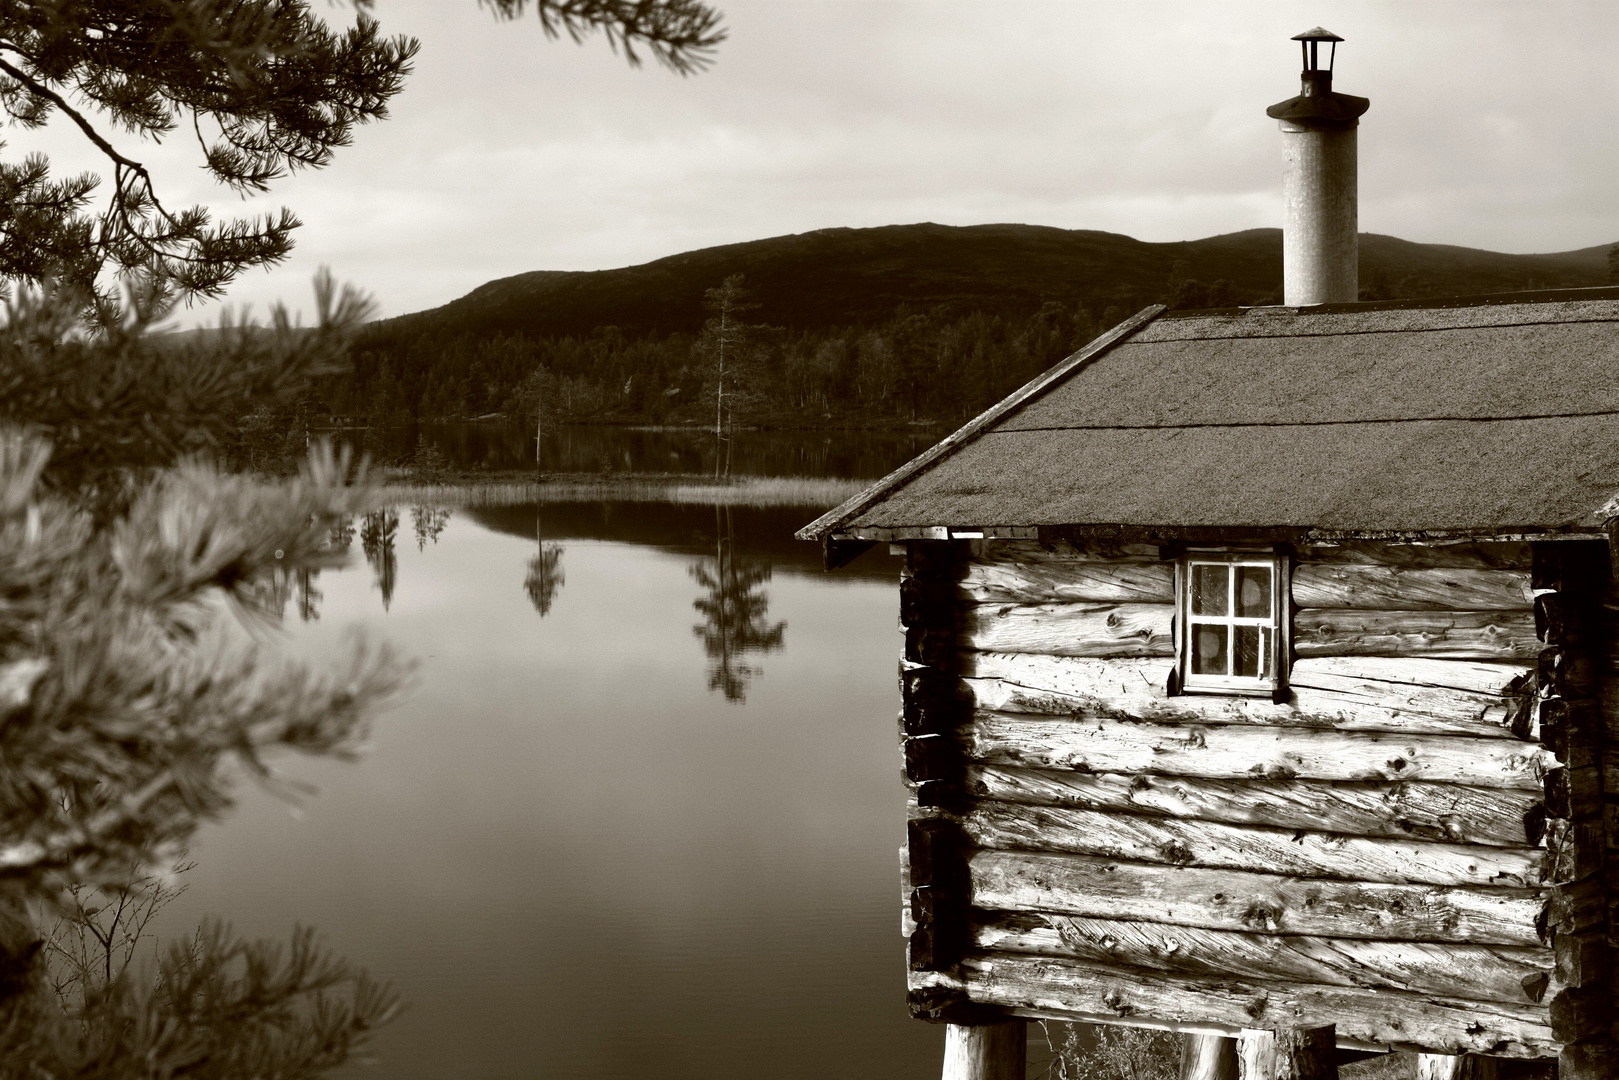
point(1258, 676)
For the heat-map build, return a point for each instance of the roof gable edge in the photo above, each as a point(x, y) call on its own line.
point(829, 521)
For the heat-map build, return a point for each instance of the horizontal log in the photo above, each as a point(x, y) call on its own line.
point(926, 602)
point(1069, 629)
point(1500, 678)
point(1466, 635)
point(1574, 794)
point(1570, 619)
point(1575, 565)
point(1364, 586)
point(1517, 974)
point(936, 854)
point(1581, 959)
point(1511, 555)
point(1571, 850)
point(934, 646)
point(1269, 903)
point(934, 701)
point(1381, 1017)
point(1568, 674)
point(1242, 752)
point(1433, 712)
point(1464, 815)
point(1136, 688)
point(1472, 697)
point(1051, 581)
point(1608, 703)
point(1030, 551)
point(931, 757)
point(1311, 854)
point(1570, 729)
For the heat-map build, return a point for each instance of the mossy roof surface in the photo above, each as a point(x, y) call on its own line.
point(1484, 418)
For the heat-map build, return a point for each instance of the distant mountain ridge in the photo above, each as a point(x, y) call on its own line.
point(840, 277)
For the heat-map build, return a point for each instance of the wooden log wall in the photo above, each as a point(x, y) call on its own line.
point(1410, 847)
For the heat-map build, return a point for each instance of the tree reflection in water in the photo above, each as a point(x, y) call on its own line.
point(735, 611)
point(377, 534)
point(545, 574)
point(272, 593)
point(428, 522)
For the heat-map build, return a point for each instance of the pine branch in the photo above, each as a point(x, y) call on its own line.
point(681, 34)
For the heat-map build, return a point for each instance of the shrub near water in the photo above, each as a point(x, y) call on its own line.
point(1117, 1053)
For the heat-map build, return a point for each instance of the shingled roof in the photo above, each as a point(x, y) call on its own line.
point(1488, 416)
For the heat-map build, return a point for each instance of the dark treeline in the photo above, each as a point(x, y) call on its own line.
point(917, 365)
point(941, 363)
point(935, 364)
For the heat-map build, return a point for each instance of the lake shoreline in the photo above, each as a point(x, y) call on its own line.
point(511, 487)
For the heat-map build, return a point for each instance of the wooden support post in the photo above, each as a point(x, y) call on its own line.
point(1208, 1057)
point(986, 1051)
point(1455, 1067)
point(1306, 1053)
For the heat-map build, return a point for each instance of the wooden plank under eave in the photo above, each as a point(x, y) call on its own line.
point(834, 518)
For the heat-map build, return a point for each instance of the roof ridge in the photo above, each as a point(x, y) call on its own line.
point(1307, 332)
point(1446, 419)
point(948, 445)
point(1566, 294)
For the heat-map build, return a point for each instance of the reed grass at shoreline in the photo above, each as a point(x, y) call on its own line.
point(692, 490)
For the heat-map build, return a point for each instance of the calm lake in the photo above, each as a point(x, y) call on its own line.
point(639, 819)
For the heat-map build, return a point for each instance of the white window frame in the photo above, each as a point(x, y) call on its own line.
point(1279, 621)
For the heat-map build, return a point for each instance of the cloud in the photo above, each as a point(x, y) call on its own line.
point(1491, 126)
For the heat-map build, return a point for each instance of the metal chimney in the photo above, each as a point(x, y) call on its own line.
point(1320, 247)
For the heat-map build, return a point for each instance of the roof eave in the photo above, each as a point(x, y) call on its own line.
point(1297, 534)
point(829, 522)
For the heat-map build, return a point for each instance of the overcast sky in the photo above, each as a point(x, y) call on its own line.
point(1492, 125)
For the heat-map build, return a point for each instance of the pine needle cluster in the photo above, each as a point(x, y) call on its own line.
point(141, 679)
point(264, 87)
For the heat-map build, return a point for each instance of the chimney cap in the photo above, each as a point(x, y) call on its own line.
point(1319, 106)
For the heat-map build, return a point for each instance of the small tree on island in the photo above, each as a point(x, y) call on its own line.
point(729, 350)
point(539, 399)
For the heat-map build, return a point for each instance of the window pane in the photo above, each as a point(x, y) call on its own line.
point(1209, 649)
point(1253, 592)
point(1211, 587)
point(1250, 652)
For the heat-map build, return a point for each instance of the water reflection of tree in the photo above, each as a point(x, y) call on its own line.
point(272, 593)
point(545, 575)
point(735, 610)
point(428, 522)
point(377, 534)
point(342, 537)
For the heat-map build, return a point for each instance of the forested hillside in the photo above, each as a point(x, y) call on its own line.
point(886, 325)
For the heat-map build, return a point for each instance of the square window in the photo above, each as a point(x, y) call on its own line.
point(1232, 612)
